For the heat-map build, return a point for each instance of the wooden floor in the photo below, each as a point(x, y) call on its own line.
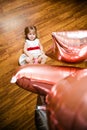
point(17, 106)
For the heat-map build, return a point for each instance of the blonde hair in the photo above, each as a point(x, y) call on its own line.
point(29, 29)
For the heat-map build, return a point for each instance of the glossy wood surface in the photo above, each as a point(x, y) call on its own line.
point(17, 106)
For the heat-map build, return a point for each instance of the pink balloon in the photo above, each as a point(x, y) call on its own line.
point(69, 46)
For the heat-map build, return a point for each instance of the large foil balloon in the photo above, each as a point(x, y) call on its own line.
point(69, 46)
point(41, 78)
point(67, 103)
point(65, 89)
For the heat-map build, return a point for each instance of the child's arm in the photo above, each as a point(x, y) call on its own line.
point(25, 50)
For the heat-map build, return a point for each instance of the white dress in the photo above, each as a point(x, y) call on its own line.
point(33, 48)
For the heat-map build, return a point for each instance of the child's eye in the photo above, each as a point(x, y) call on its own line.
point(32, 34)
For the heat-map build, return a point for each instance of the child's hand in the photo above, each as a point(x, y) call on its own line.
point(42, 52)
point(30, 55)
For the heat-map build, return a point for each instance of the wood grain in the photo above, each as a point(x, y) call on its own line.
point(17, 106)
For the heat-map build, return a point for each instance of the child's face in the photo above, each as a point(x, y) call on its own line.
point(31, 35)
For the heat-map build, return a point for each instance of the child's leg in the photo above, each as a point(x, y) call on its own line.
point(30, 59)
point(42, 59)
point(35, 60)
point(22, 59)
